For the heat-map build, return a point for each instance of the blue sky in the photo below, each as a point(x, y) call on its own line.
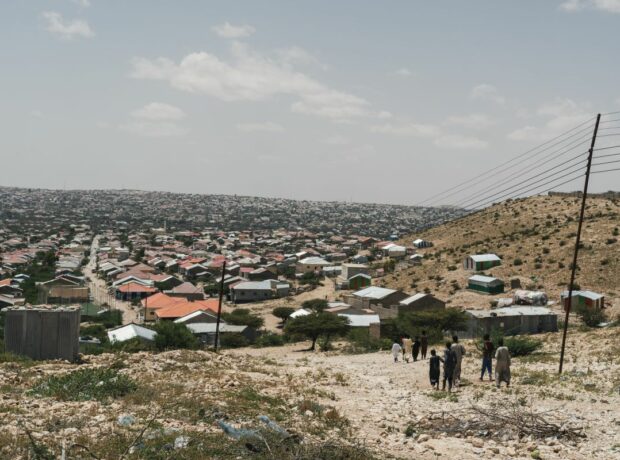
point(349, 100)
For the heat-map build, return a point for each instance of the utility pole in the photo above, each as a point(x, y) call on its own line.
point(219, 309)
point(567, 307)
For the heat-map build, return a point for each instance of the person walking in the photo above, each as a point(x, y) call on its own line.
point(502, 364)
point(449, 361)
point(407, 348)
point(423, 344)
point(459, 351)
point(487, 358)
point(396, 349)
point(416, 349)
point(434, 369)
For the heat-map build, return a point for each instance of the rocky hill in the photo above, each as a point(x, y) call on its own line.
point(535, 238)
point(333, 406)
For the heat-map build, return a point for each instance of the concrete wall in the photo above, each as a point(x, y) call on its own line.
point(43, 333)
point(512, 325)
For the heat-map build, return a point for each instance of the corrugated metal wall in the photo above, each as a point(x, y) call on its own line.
point(43, 334)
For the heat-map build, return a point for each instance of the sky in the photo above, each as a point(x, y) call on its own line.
point(354, 100)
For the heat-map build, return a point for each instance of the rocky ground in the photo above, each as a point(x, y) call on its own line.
point(364, 401)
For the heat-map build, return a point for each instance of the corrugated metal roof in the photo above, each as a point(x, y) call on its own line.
point(483, 279)
point(374, 292)
point(511, 311)
point(484, 257)
point(209, 328)
point(413, 298)
point(130, 331)
point(587, 294)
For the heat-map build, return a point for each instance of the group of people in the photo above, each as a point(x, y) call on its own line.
point(452, 360)
point(412, 349)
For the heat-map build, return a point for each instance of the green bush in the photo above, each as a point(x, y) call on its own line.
point(85, 385)
point(360, 341)
point(233, 340)
point(591, 317)
point(517, 262)
point(270, 340)
point(171, 335)
point(519, 345)
point(109, 319)
point(243, 317)
point(96, 330)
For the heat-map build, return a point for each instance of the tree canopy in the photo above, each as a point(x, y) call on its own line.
point(317, 324)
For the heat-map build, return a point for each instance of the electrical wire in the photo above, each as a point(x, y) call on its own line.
point(433, 197)
point(515, 175)
point(493, 197)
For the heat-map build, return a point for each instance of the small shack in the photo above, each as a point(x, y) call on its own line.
point(511, 321)
point(420, 243)
point(480, 262)
point(584, 299)
point(420, 302)
point(43, 331)
point(486, 284)
point(359, 281)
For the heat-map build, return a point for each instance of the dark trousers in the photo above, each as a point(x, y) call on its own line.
point(486, 366)
point(424, 352)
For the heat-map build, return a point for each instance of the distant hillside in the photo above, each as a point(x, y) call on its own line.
point(540, 231)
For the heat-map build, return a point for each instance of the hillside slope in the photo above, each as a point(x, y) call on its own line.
point(540, 231)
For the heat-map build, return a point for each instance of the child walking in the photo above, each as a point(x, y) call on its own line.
point(434, 369)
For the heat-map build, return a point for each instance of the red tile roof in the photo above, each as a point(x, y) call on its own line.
point(185, 308)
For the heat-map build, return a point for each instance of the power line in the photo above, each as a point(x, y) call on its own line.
point(589, 121)
point(520, 192)
point(604, 171)
point(515, 175)
point(549, 157)
point(607, 148)
point(606, 163)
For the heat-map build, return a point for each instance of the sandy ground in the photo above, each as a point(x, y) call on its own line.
point(381, 397)
point(326, 291)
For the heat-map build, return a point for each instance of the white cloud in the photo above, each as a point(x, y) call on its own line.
point(155, 129)
point(268, 127)
point(294, 55)
point(82, 3)
point(66, 29)
point(156, 120)
point(36, 113)
point(487, 92)
point(250, 76)
point(227, 30)
point(157, 111)
point(384, 115)
point(475, 121)
point(407, 129)
point(610, 6)
point(554, 119)
point(458, 142)
point(404, 72)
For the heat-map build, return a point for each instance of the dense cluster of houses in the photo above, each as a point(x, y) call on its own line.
point(174, 271)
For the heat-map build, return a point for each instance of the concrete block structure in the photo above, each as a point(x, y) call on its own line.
point(43, 332)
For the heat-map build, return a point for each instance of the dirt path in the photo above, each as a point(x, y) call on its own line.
point(380, 398)
point(99, 290)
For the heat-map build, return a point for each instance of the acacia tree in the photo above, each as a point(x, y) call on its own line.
point(317, 305)
point(283, 313)
point(318, 324)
